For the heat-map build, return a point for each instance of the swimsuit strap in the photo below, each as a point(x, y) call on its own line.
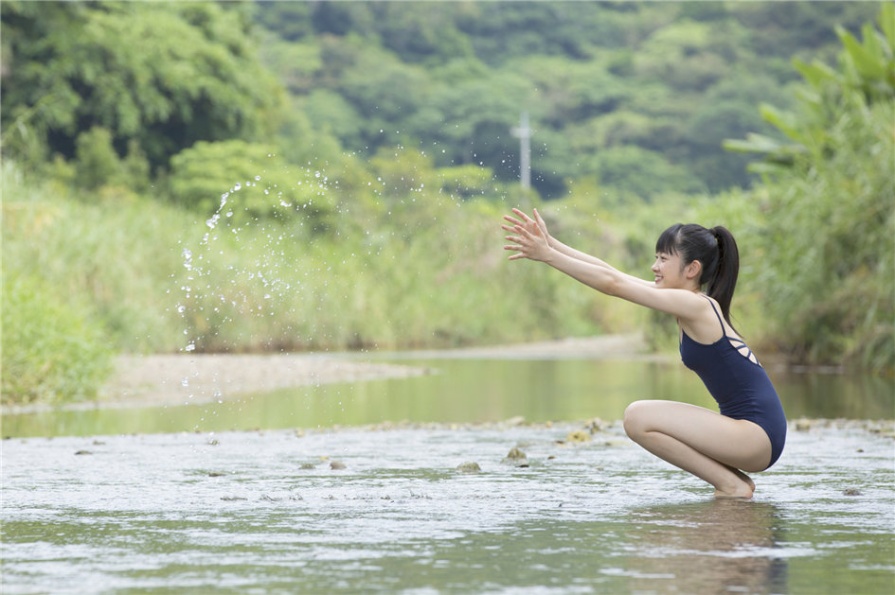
point(735, 342)
point(721, 322)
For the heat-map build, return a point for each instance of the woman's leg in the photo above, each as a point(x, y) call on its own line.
point(705, 443)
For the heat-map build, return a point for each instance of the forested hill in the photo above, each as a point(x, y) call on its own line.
point(633, 98)
point(636, 95)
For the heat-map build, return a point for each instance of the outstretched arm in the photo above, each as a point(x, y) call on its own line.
point(530, 240)
point(537, 225)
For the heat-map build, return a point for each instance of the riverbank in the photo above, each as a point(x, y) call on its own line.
point(176, 379)
point(203, 378)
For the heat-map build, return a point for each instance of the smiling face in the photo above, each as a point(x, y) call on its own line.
point(670, 272)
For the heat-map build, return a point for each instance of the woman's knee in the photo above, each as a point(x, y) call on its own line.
point(634, 420)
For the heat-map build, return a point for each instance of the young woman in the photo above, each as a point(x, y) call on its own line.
point(695, 275)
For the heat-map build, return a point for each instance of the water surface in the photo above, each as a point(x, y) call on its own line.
point(266, 512)
point(460, 390)
point(262, 494)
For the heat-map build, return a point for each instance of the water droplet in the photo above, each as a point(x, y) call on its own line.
point(237, 187)
point(190, 347)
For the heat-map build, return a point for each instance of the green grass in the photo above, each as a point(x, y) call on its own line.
point(114, 279)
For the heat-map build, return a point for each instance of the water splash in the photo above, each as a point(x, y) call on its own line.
point(217, 295)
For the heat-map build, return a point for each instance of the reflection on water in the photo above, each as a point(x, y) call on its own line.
point(715, 546)
point(468, 390)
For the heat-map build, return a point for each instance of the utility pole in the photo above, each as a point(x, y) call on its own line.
point(523, 131)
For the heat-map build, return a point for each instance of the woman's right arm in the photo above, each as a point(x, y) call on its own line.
point(527, 222)
point(531, 242)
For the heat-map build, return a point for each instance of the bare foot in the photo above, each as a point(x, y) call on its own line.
point(745, 478)
point(741, 487)
point(745, 494)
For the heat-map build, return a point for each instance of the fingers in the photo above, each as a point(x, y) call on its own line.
point(524, 230)
point(524, 217)
point(518, 252)
point(517, 229)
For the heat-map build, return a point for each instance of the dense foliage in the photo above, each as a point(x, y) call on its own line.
point(613, 89)
point(326, 175)
point(830, 205)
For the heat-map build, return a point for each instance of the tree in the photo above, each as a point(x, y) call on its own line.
point(243, 182)
point(831, 206)
point(74, 66)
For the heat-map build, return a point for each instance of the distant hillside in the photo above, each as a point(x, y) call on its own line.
point(635, 97)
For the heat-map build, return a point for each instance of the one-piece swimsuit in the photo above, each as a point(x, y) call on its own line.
point(740, 385)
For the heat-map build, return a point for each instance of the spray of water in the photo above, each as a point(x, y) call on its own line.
point(221, 288)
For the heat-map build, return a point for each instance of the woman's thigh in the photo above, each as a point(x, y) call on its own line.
point(735, 442)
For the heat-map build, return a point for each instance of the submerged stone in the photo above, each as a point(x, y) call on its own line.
point(469, 467)
point(578, 436)
point(516, 457)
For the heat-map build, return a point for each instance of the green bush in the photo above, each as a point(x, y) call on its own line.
point(52, 351)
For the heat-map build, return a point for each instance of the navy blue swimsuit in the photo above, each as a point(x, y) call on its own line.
point(738, 383)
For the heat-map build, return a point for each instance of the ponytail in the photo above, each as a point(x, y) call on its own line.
point(724, 280)
point(715, 249)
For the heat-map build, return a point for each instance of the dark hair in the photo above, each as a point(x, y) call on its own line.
point(717, 251)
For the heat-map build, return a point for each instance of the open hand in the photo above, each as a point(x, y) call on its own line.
point(530, 238)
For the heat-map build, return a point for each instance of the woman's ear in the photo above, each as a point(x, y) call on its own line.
point(693, 270)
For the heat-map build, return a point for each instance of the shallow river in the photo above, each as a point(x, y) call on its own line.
point(184, 504)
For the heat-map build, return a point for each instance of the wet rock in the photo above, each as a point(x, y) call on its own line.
point(578, 436)
point(852, 492)
point(83, 452)
point(337, 466)
point(516, 457)
point(803, 425)
point(469, 467)
point(216, 474)
point(595, 425)
point(307, 466)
